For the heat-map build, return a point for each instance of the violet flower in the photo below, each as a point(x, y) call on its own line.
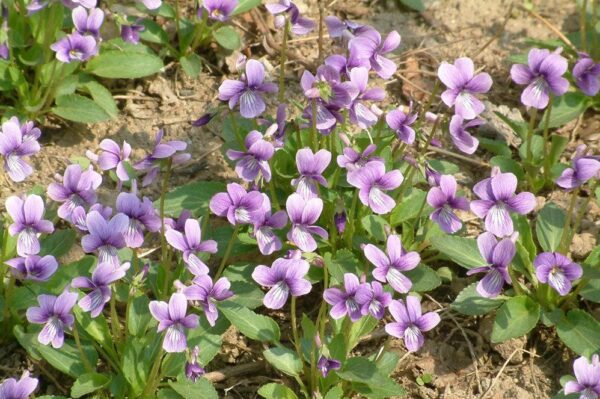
point(372, 181)
point(204, 119)
point(344, 29)
point(193, 369)
point(352, 160)
point(10, 388)
point(131, 33)
point(368, 46)
point(28, 222)
point(410, 322)
point(171, 149)
point(255, 160)
point(88, 23)
point(114, 157)
point(77, 189)
point(498, 199)
point(346, 302)
point(585, 167)
point(463, 86)
point(285, 277)
point(4, 51)
point(445, 201)
point(16, 142)
point(264, 224)
point(433, 176)
point(178, 224)
point(105, 236)
point(461, 138)
point(142, 216)
point(374, 300)
point(325, 365)
point(219, 10)
point(400, 122)
point(208, 294)
point(586, 73)
point(542, 75)
point(360, 114)
point(152, 4)
point(75, 47)
point(75, 3)
point(557, 271)
point(303, 214)
point(55, 314)
point(248, 90)
point(172, 317)
point(311, 167)
point(587, 374)
point(389, 267)
point(191, 244)
point(498, 256)
point(33, 267)
point(238, 205)
point(102, 277)
point(299, 25)
point(340, 219)
point(79, 215)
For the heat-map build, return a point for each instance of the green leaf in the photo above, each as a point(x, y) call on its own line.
point(497, 147)
point(252, 325)
point(519, 127)
point(276, 391)
point(579, 331)
point(152, 32)
point(138, 316)
point(424, 278)
point(409, 207)
point(67, 359)
point(557, 146)
point(194, 197)
point(97, 327)
point(247, 292)
point(359, 329)
point(209, 345)
point(471, 303)
point(137, 359)
point(124, 64)
point(58, 243)
point(79, 109)
point(375, 226)
point(369, 381)
point(28, 341)
point(245, 5)
point(416, 5)
point(227, 37)
point(335, 393)
point(284, 360)
point(537, 148)
point(102, 96)
point(591, 291)
point(201, 389)
point(444, 167)
point(344, 262)
point(525, 234)
point(567, 107)
point(549, 227)
point(507, 164)
point(191, 64)
point(88, 383)
point(387, 362)
point(515, 318)
point(462, 251)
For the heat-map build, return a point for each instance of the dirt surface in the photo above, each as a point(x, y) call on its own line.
point(457, 355)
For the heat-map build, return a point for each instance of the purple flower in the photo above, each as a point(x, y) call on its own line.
point(248, 90)
point(542, 75)
point(410, 323)
point(557, 271)
point(264, 224)
point(238, 205)
point(88, 23)
point(498, 199)
point(586, 73)
point(433, 176)
point(303, 214)
point(360, 114)
point(372, 181)
point(75, 47)
point(585, 167)
point(255, 160)
point(79, 215)
point(113, 157)
point(142, 216)
point(463, 86)
point(27, 216)
point(190, 244)
point(461, 138)
point(389, 267)
point(178, 224)
point(161, 151)
point(55, 313)
point(131, 33)
point(340, 219)
point(588, 378)
point(102, 277)
point(400, 122)
point(204, 119)
point(22, 389)
point(346, 302)
point(78, 189)
point(285, 277)
point(498, 256)
point(220, 10)
point(152, 4)
point(300, 25)
point(33, 267)
point(445, 201)
point(193, 369)
point(18, 141)
point(368, 46)
point(325, 365)
point(344, 29)
point(342, 64)
point(105, 236)
point(75, 3)
point(311, 167)
point(4, 51)
point(204, 291)
point(172, 317)
point(374, 300)
point(353, 160)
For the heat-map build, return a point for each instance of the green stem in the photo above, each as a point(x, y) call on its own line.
point(595, 35)
point(165, 259)
point(528, 151)
point(351, 217)
point(295, 334)
point(273, 190)
point(546, 140)
point(153, 379)
point(583, 26)
point(282, 60)
point(8, 299)
point(566, 234)
point(580, 213)
point(313, 130)
point(84, 358)
point(228, 251)
point(114, 322)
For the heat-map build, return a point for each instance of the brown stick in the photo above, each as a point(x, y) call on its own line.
point(223, 374)
point(553, 28)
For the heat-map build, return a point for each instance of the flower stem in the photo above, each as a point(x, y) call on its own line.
point(532, 119)
point(153, 379)
point(84, 358)
point(546, 140)
point(273, 190)
point(580, 213)
point(282, 60)
point(114, 322)
point(583, 25)
point(228, 251)
point(566, 234)
point(351, 217)
point(321, 30)
point(165, 259)
point(313, 130)
point(295, 334)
